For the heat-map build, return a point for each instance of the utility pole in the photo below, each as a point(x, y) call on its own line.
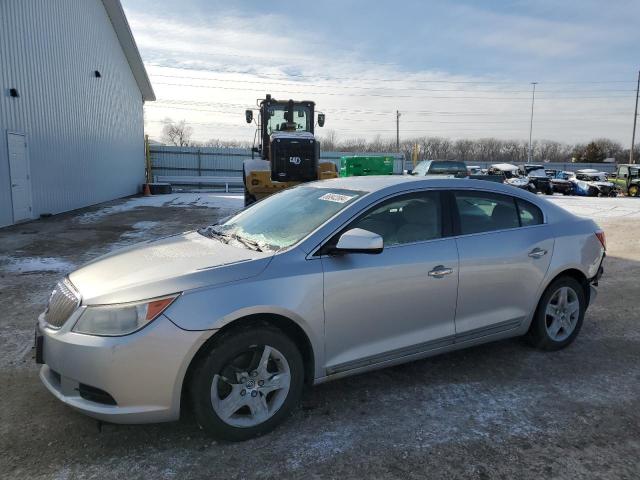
point(397, 131)
point(635, 120)
point(533, 99)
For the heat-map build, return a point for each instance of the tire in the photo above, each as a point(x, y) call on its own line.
point(240, 353)
point(634, 190)
point(549, 191)
point(540, 333)
point(248, 198)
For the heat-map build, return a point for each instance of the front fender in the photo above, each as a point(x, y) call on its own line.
point(296, 294)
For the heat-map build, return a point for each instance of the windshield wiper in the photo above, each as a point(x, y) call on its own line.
point(211, 233)
point(247, 242)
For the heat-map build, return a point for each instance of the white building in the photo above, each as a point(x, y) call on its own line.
point(72, 88)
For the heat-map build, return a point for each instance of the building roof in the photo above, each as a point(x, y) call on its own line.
point(129, 47)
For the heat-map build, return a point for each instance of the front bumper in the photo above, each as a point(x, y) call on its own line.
point(140, 375)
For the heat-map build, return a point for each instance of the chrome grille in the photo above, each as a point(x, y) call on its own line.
point(62, 303)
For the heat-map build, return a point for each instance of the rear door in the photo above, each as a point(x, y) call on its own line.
point(505, 250)
point(399, 302)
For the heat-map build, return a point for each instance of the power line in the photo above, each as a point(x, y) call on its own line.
point(378, 95)
point(365, 79)
point(186, 105)
point(360, 87)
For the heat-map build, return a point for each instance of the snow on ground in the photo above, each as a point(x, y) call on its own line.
point(228, 201)
point(592, 207)
point(598, 208)
point(34, 264)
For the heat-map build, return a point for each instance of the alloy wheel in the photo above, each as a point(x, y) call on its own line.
point(562, 313)
point(252, 387)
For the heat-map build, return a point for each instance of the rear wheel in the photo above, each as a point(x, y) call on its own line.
point(559, 315)
point(247, 384)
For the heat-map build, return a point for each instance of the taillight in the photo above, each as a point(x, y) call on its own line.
point(602, 238)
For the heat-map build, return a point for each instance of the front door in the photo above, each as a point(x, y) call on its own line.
point(20, 177)
point(385, 306)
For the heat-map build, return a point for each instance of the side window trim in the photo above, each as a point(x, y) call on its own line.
point(523, 201)
point(457, 229)
point(446, 226)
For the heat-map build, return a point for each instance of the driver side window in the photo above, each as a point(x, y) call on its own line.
point(410, 218)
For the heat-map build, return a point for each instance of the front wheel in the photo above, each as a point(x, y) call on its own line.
point(247, 384)
point(248, 198)
point(559, 315)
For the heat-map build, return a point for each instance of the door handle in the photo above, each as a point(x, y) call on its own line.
point(14, 185)
point(537, 253)
point(440, 271)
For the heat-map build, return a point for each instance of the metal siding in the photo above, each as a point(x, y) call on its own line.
point(84, 134)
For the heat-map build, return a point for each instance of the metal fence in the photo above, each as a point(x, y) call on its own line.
point(227, 162)
point(223, 162)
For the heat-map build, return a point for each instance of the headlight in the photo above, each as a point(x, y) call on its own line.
point(121, 318)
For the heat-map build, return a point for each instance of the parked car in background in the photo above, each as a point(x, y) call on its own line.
point(592, 183)
point(440, 167)
point(627, 179)
point(561, 181)
point(540, 181)
point(320, 281)
point(510, 175)
point(526, 168)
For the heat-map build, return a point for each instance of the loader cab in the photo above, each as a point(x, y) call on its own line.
point(287, 141)
point(282, 116)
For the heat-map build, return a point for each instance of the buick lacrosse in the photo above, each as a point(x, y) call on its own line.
point(321, 281)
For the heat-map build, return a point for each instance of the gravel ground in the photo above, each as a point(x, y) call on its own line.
point(501, 410)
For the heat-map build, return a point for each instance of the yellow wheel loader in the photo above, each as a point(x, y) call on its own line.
point(288, 151)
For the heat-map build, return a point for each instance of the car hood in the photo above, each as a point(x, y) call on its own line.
point(164, 266)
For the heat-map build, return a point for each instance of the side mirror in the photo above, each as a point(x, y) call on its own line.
point(358, 240)
point(248, 115)
point(321, 119)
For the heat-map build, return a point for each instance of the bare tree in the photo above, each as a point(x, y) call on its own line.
point(463, 149)
point(177, 133)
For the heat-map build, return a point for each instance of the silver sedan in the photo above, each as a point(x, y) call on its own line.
point(318, 282)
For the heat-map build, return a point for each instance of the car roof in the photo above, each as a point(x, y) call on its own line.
point(375, 183)
point(504, 166)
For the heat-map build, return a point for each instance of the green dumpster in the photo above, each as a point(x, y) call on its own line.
point(357, 166)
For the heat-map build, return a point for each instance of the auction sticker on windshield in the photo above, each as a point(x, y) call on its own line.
point(336, 197)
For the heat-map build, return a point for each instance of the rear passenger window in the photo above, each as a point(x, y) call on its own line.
point(485, 212)
point(405, 219)
point(529, 213)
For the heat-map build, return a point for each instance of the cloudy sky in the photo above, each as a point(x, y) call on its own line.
point(461, 69)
